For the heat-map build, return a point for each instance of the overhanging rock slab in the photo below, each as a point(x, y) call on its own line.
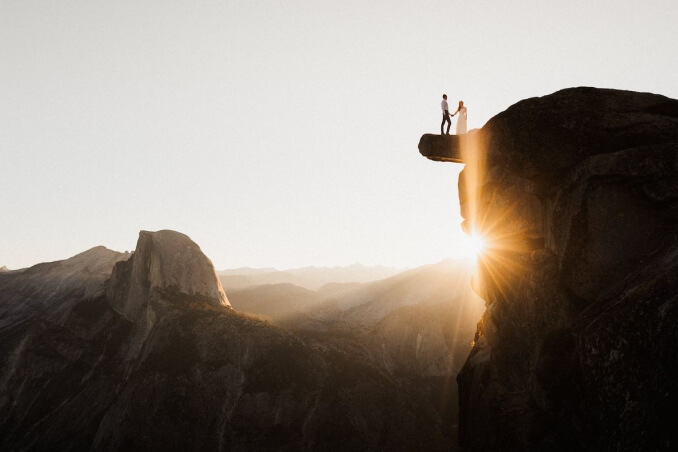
point(442, 148)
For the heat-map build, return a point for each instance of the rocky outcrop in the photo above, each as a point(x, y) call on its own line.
point(444, 148)
point(164, 262)
point(576, 194)
point(146, 354)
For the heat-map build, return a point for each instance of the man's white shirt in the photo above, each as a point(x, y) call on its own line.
point(443, 105)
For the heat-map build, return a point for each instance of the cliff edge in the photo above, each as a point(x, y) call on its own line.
point(576, 197)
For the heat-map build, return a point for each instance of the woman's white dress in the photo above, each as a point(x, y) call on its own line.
point(461, 122)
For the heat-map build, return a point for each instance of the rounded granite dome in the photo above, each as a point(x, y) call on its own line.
point(165, 263)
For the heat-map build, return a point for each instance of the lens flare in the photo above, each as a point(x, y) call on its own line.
point(472, 246)
point(476, 244)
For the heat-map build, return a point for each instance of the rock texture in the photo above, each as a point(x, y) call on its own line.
point(51, 289)
point(443, 148)
point(577, 195)
point(107, 351)
point(164, 262)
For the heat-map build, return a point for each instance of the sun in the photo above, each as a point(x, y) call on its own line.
point(476, 244)
point(473, 245)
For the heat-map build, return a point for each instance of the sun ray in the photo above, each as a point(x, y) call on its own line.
point(493, 238)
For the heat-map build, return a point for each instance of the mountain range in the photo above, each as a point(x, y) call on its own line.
point(312, 278)
point(145, 351)
point(358, 302)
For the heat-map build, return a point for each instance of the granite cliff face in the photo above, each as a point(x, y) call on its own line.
point(111, 351)
point(164, 262)
point(576, 194)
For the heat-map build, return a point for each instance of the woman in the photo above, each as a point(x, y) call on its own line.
point(461, 122)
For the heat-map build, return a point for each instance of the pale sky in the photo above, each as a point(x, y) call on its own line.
point(279, 133)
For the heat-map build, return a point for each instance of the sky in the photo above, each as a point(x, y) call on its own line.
point(280, 133)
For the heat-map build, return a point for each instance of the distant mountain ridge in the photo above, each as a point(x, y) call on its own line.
point(421, 320)
point(312, 278)
point(362, 302)
point(445, 281)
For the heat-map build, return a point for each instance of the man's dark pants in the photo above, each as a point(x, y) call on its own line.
point(446, 117)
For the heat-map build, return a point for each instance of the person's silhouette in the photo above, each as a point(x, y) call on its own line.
point(446, 115)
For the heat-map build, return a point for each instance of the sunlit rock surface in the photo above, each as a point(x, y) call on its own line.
point(576, 194)
point(111, 351)
point(164, 262)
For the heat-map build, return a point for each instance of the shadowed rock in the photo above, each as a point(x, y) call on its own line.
point(441, 148)
point(551, 134)
point(53, 288)
point(577, 196)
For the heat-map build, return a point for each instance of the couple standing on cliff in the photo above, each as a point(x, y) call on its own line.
point(461, 122)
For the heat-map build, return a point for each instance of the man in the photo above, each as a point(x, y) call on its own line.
point(446, 115)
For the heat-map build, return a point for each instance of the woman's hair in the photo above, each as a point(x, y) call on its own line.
point(461, 103)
